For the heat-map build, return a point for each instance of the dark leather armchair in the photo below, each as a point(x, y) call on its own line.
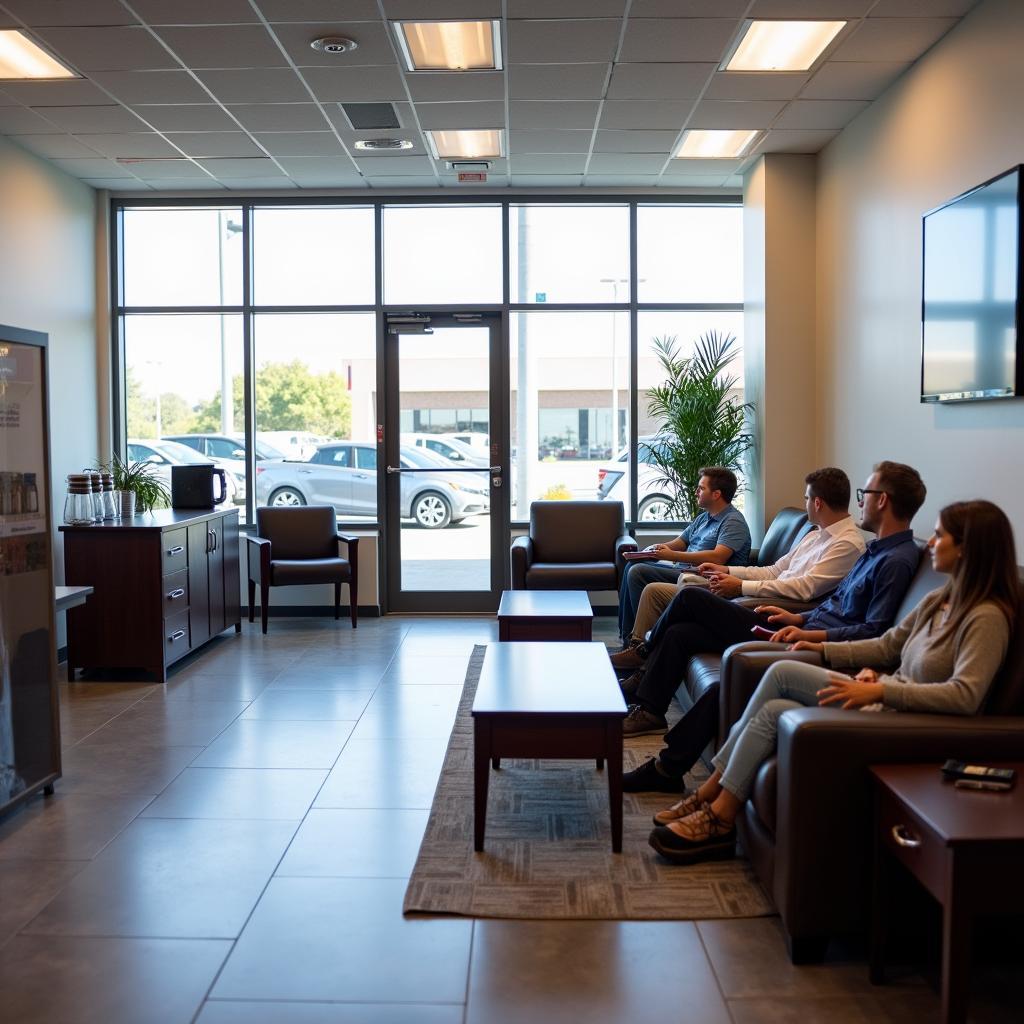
point(299, 546)
point(572, 545)
point(809, 820)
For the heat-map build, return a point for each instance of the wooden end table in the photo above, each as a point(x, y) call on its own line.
point(545, 615)
point(964, 846)
point(555, 700)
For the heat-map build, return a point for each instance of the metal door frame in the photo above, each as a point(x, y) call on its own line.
point(392, 597)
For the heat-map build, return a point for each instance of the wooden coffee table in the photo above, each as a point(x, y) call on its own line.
point(557, 700)
point(545, 615)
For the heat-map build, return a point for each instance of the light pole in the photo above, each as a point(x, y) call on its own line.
point(615, 282)
point(227, 398)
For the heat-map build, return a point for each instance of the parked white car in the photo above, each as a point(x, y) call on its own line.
point(294, 444)
point(447, 447)
point(164, 454)
point(613, 484)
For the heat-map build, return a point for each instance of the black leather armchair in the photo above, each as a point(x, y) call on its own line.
point(299, 546)
point(572, 545)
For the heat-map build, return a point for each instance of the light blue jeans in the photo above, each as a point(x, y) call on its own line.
point(754, 738)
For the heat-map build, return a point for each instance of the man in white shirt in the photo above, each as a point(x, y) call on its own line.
point(814, 567)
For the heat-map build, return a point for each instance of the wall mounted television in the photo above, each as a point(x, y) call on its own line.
point(973, 289)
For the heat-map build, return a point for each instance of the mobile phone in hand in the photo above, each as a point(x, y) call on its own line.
point(762, 633)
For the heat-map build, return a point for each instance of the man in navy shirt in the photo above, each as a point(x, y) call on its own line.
point(719, 534)
point(863, 605)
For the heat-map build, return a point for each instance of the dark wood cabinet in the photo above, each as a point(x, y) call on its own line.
point(165, 583)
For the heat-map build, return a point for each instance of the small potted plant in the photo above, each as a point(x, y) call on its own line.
point(140, 489)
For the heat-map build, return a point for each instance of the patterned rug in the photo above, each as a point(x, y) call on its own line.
point(547, 851)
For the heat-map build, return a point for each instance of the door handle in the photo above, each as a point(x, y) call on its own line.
point(209, 535)
point(174, 594)
point(305, 472)
point(176, 550)
point(176, 635)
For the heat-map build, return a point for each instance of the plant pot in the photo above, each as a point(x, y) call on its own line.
point(127, 504)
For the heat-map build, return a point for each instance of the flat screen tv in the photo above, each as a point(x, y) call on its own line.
point(971, 312)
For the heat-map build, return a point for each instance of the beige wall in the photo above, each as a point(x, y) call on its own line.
point(954, 120)
point(47, 283)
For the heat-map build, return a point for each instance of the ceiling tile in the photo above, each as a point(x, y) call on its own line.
point(203, 184)
point(831, 9)
point(242, 46)
point(903, 39)
point(549, 141)
point(117, 184)
point(410, 10)
point(153, 170)
point(565, 163)
point(566, 8)
point(374, 46)
point(401, 183)
point(256, 167)
point(53, 146)
point(637, 114)
point(692, 167)
point(734, 114)
point(677, 39)
point(87, 168)
point(394, 165)
point(19, 121)
point(248, 184)
point(275, 117)
point(635, 141)
point(682, 183)
point(731, 85)
point(689, 9)
point(70, 93)
point(659, 81)
point(626, 163)
point(329, 180)
point(819, 113)
point(337, 116)
point(94, 119)
point(194, 118)
point(782, 140)
point(355, 85)
point(461, 115)
point(272, 85)
point(632, 181)
point(541, 114)
point(152, 86)
point(553, 181)
point(300, 143)
point(922, 8)
point(215, 144)
point(317, 166)
point(556, 42)
point(317, 10)
point(426, 86)
point(79, 12)
point(195, 12)
point(129, 144)
point(108, 49)
point(850, 80)
point(557, 81)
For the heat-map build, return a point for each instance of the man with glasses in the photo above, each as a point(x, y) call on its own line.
point(863, 605)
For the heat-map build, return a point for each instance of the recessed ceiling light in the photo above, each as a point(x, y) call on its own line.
point(473, 144)
point(450, 45)
point(700, 144)
point(781, 45)
point(387, 144)
point(21, 58)
point(334, 44)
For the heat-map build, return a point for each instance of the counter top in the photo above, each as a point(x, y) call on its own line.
point(161, 519)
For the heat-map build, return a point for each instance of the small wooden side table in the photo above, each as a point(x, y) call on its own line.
point(561, 615)
point(964, 846)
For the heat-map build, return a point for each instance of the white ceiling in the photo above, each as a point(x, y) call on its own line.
point(228, 94)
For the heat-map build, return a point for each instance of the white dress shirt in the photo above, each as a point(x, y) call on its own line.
point(813, 568)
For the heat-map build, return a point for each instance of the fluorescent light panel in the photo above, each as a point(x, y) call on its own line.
point(450, 45)
point(716, 144)
point(475, 144)
point(20, 58)
point(782, 45)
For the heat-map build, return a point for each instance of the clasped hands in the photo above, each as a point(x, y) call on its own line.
point(848, 693)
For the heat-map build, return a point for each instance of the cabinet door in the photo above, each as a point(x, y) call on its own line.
point(199, 545)
point(232, 571)
point(215, 564)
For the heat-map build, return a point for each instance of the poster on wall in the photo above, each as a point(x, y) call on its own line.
point(29, 746)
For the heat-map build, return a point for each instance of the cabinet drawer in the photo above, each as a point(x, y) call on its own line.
point(175, 591)
point(175, 550)
point(913, 844)
point(176, 638)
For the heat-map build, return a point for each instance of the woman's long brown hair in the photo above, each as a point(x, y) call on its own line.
point(987, 567)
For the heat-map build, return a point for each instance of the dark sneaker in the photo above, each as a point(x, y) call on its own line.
point(683, 809)
point(640, 722)
point(647, 779)
point(629, 642)
point(697, 837)
point(631, 686)
point(631, 657)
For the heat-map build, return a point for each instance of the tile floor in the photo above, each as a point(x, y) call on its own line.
point(234, 847)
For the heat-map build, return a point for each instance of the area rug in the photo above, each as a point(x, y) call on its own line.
point(547, 852)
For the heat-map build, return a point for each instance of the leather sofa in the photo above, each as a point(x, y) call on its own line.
point(808, 825)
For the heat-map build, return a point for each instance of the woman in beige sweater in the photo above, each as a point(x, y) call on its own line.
point(941, 658)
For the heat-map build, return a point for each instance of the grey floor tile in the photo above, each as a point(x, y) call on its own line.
point(356, 843)
point(272, 744)
point(900, 1008)
point(602, 972)
point(308, 705)
point(67, 825)
point(168, 723)
point(281, 794)
point(409, 712)
point(213, 687)
point(170, 878)
point(313, 677)
point(328, 939)
point(26, 886)
point(133, 769)
point(374, 774)
point(218, 1012)
point(413, 669)
point(62, 980)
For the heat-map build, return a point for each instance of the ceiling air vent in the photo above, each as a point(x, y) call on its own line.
point(377, 145)
point(371, 115)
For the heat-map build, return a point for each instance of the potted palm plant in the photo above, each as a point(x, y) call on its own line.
point(699, 422)
point(140, 489)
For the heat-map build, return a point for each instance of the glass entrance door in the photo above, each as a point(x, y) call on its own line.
point(446, 535)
